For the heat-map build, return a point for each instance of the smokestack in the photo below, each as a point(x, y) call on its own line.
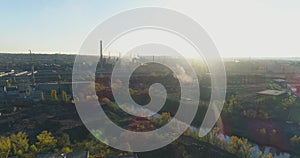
point(101, 53)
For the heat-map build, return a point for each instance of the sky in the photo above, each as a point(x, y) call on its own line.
point(239, 28)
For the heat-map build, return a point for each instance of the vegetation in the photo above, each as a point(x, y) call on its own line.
point(42, 97)
point(237, 146)
point(265, 120)
point(45, 142)
point(54, 95)
point(64, 97)
point(5, 147)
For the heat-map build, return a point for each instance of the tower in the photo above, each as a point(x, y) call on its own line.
point(101, 56)
point(101, 53)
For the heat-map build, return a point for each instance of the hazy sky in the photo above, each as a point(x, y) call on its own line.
point(238, 27)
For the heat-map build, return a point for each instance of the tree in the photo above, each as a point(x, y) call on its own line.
point(14, 80)
point(98, 87)
point(231, 103)
point(234, 144)
point(295, 142)
point(263, 131)
point(246, 148)
point(66, 150)
point(63, 141)
point(46, 142)
point(58, 78)
point(5, 147)
point(64, 97)
point(164, 118)
point(287, 103)
point(33, 148)
point(54, 95)
point(215, 134)
point(19, 143)
point(42, 96)
point(261, 155)
point(269, 156)
point(240, 147)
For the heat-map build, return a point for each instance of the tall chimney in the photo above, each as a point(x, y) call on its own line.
point(101, 53)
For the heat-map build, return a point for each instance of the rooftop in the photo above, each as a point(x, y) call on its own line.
point(271, 92)
point(279, 80)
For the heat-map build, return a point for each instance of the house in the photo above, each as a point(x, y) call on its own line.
point(281, 82)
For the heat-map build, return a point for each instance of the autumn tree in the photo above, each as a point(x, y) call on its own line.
point(235, 144)
point(164, 118)
point(64, 97)
point(5, 147)
point(287, 103)
point(19, 143)
point(246, 148)
point(33, 148)
point(45, 142)
point(54, 95)
point(269, 156)
point(240, 147)
point(230, 104)
point(215, 133)
point(42, 97)
point(295, 142)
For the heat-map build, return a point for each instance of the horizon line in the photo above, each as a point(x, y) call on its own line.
point(76, 53)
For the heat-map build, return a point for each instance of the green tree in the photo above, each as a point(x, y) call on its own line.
point(19, 143)
point(63, 141)
point(46, 142)
point(5, 147)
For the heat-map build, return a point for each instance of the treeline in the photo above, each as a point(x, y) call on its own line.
point(237, 146)
point(54, 97)
point(19, 145)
